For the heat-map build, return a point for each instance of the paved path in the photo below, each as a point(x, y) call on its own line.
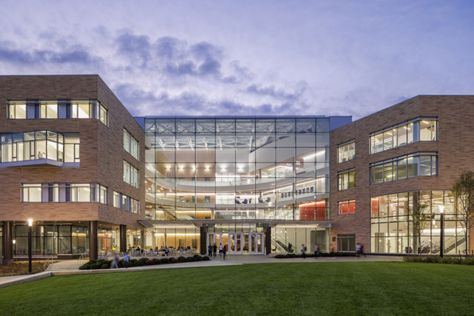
point(70, 267)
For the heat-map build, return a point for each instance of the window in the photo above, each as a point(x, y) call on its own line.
point(37, 145)
point(126, 203)
point(64, 192)
point(347, 207)
point(31, 192)
point(117, 200)
point(130, 174)
point(428, 130)
point(414, 165)
point(104, 115)
point(130, 144)
point(403, 134)
point(346, 152)
point(346, 180)
point(17, 110)
point(62, 109)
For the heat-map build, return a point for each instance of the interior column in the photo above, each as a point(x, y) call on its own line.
point(268, 239)
point(203, 239)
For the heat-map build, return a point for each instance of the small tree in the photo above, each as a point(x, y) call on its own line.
point(420, 219)
point(463, 192)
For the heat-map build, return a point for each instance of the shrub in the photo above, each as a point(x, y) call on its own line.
point(105, 264)
point(437, 259)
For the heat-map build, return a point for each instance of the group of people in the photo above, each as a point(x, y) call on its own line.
point(303, 250)
point(163, 250)
point(116, 258)
point(212, 250)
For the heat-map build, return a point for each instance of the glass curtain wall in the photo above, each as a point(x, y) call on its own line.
point(409, 222)
point(237, 169)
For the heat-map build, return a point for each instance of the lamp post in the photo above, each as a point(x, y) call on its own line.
point(30, 230)
point(441, 234)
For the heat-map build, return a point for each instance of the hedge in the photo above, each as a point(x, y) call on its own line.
point(437, 259)
point(311, 255)
point(105, 264)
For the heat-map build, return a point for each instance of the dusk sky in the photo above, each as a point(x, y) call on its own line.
point(248, 57)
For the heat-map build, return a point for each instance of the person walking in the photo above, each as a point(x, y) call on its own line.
point(357, 250)
point(224, 251)
point(126, 260)
point(221, 249)
point(303, 251)
point(209, 250)
point(115, 260)
point(214, 250)
point(317, 252)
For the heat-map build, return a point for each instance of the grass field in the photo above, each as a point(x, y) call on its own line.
point(266, 289)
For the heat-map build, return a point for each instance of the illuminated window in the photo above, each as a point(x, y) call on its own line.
point(347, 207)
point(346, 180)
point(346, 152)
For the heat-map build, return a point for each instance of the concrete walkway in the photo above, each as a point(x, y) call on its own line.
point(71, 267)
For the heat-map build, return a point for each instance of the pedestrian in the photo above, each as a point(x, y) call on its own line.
point(362, 250)
point(126, 260)
point(224, 251)
point(209, 250)
point(221, 249)
point(214, 250)
point(357, 250)
point(115, 260)
point(303, 251)
point(317, 252)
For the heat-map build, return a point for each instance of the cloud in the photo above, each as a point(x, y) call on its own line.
point(191, 103)
point(161, 76)
point(70, 55)
point(172, 56)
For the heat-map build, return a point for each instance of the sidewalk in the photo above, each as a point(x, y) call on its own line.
point(71, 267)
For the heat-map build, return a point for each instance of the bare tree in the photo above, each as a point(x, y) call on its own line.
point(463, 192)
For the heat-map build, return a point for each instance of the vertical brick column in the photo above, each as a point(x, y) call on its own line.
point(123, 238)
point(93, 241)
point(7, 242)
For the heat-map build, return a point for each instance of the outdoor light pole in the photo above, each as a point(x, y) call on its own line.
point(30, 231)
point(441, 234)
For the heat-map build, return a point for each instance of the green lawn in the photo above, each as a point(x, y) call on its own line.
point(267, 289)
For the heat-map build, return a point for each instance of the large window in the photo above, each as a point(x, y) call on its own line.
point(130, 174)
point(64, 192)
point(39, 145)
point(62, 109)
point(347, 207)
point(409, 222)
point(414, 165)
point(346, 152)
point(130, 144)
point(237, 169)
point(346, 179)
point(51, 239)
point(406, 133)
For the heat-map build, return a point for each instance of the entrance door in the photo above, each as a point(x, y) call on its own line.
point(239, 242)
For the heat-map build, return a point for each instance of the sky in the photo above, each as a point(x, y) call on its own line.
point(247, 57)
